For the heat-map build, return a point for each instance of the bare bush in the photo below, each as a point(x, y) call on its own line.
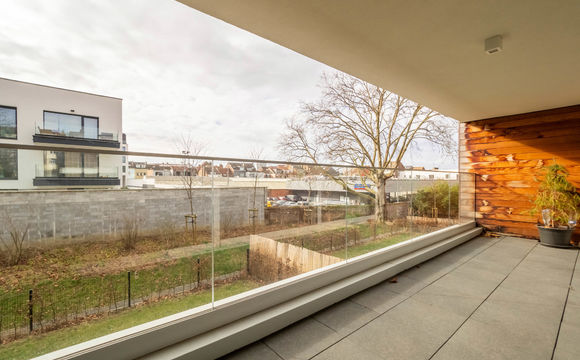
point(130, 232)
point(227, 225)
point(13, 245)
point(169, 234)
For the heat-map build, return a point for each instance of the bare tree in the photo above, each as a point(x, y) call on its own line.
point(363, 125)
point(187, 146)
point(255, 154)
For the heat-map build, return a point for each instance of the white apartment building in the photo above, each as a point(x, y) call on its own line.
point(33, 114)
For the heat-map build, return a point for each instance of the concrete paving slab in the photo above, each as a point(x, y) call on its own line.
point(412, 330)
point(463, 285)
point(531, 275)
point(346, 350)
point(568, 346)
point(436, 309)
point(254, 351)
point(378, 298)
point(460, 305)
point(430, 270)
point(553, 258)
point(345, 317)
point(500, 330)
point(507, 251)
point(516, 291)
point(302, 340)
point(402, 284)
point(481, 341)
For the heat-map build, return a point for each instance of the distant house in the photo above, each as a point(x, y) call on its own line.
point(138, 170)
point(362, 172)
point(184, 170)
point(205, 169)
point(237, 169)
point(161, 169)
point(420, 173)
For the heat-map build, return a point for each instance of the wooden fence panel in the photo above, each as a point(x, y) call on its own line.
point(278, 254)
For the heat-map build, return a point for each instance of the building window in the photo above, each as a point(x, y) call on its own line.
point(8, 126)
point(8, 164)
point(70, 125)
point(70, 164)
point(431, 177)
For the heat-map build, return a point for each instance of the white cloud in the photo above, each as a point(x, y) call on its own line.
point(176, 69)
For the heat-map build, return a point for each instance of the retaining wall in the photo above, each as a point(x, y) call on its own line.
point(82, 214)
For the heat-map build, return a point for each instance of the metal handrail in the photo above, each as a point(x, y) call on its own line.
point(92, 150)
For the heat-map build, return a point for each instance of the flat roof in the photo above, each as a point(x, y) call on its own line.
point(59, 88)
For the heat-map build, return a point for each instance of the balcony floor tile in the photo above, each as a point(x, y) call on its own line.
point(491, 298)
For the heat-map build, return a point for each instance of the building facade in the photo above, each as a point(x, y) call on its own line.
point(32, 114)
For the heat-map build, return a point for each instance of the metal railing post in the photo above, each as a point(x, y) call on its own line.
point(30, 311)
point(129, 288)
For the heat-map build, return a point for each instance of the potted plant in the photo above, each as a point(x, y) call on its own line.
point(558, 202)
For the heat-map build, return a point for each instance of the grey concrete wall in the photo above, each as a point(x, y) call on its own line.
point(97, 214)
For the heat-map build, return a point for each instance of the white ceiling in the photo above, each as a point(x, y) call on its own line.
point(432, 51)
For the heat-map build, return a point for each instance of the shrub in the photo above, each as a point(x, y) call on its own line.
point(130, 232)
point(169, 234)
point(440, 196)
point(13, 245)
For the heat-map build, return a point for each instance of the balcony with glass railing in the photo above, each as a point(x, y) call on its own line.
point(74, 169)
point(70, 129)
point(215, 242)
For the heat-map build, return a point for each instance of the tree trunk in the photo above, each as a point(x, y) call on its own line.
point(380, 201)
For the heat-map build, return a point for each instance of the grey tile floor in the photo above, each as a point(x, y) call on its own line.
point(490, 298)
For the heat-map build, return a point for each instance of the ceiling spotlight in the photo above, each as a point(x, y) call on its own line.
point(493, 44)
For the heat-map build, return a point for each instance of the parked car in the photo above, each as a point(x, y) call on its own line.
point(294, 198)
point(290, 203)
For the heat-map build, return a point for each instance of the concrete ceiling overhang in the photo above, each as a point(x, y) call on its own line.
point(432, 51)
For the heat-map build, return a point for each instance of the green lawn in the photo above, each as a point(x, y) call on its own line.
point(44, 343)
point(372, 245)
point(55, 299)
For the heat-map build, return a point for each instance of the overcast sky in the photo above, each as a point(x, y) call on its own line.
point(178, 71)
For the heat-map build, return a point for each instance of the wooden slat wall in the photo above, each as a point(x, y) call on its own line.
point(505, 154)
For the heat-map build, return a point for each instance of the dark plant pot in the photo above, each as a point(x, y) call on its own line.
point(555, 237)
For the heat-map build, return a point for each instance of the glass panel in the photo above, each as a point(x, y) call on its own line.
point(53, 161)
point(91, 165)
point(8, 163)
point(7, 122)
point(194, 233)
point(62, 124)
point(91, 128)
point(118, 257)
point(72, 165)
point(466, 204)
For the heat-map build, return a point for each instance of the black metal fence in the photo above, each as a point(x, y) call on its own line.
point(53, 304)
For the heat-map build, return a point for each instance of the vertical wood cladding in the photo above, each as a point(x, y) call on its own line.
point(506, 155)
